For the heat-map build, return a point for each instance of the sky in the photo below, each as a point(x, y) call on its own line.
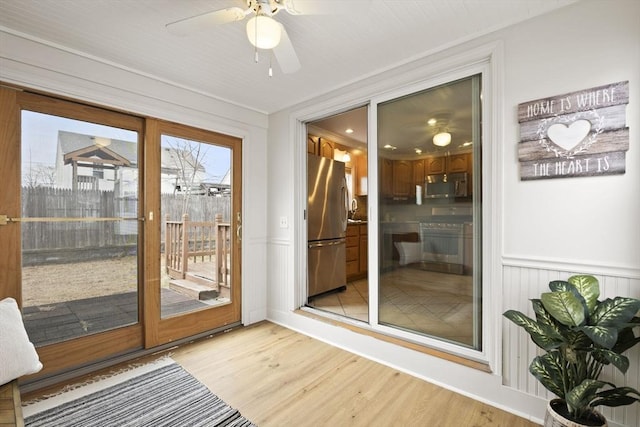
point(40, 137)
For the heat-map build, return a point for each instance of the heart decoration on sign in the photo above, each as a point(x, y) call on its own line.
point(568, 137)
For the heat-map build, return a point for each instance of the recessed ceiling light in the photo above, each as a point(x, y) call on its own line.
point(468, 143)
point(432, 121)
point(348, 130)
point(418, 151)
point(390, 147)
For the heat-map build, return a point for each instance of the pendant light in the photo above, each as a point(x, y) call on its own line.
point(442, 139)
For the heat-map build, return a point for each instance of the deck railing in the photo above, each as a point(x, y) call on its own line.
point(198, 241)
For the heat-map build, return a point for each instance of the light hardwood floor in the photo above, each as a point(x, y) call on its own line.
point(278, 377)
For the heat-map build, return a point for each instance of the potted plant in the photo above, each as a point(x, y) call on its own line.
point(580, 335)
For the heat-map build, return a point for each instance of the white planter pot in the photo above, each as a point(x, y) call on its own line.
point(553, 419)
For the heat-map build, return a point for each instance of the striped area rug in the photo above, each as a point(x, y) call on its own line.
point(160, 394)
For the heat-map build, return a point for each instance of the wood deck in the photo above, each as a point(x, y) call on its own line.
point(47, 324)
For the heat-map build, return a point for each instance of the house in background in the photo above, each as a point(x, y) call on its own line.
point(86, 162)
point(533, 231)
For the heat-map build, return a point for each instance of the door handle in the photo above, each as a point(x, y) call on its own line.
point(239, 227)
point(5, 219)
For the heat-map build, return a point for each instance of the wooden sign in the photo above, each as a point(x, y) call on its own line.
point(581, 133)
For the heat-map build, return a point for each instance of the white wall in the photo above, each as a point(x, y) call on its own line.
point(34, 63)
point(548, 229)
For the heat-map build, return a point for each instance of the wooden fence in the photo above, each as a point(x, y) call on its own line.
point(46, 202)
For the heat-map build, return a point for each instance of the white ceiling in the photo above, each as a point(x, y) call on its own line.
point(334, 50)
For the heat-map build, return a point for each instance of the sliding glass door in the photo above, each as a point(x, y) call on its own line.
point(75, 217)
point(80, 227)
point(420, 216)
point(112, 246)
point(428, 151)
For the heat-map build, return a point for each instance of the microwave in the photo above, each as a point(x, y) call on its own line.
point(446, 185)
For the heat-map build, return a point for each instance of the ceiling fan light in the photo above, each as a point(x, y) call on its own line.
point(263, 32)
point(442, 139)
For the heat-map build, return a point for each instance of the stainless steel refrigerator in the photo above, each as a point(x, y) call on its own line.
point(328, 204)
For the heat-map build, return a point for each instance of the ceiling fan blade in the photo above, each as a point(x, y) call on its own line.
point(201, 22)
point(324, 7)
point(285, 54)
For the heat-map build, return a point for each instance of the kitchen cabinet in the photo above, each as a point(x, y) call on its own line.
point(386, 177)
point(356, 251)
point(402, 178)
point(364, 249)
point(455, 163)
point(320, 146)
point(459, 163)
point(326, 148)
point(313, 144)
point(418, 175)
point(435, 165)
point(360, 162)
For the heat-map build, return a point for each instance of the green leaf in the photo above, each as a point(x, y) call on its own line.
point(607, 356)
point(564, 307)
point(544, 318)
point(588, 287)
point(548, 370)
point(601, 335)
point(559, 285)
point(580, 396)
point(619, 396)
point(626, 340)
point(615, 312)
point(544, 337)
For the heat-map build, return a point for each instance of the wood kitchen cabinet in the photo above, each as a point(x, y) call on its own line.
point(458, 163)
point(418, 175)
point(455, 163)
point(320, 146)
point(360, 162)
point(402, 178)
point(435, 165)
point(386, 178)
point(364, 250)
point(326, 148)
point(356, 251)
point(313, 144)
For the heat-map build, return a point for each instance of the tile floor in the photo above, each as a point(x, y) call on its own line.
point(431, 303)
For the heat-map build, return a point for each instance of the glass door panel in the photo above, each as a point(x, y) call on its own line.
point(343, 138)
point(79, 227)
point(428, 150)
point(195, 187)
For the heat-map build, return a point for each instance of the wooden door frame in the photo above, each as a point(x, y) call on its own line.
point(161, 331)
point(150, 331)
point(65, 355)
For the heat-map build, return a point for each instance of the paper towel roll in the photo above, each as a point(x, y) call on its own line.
point(418, 194)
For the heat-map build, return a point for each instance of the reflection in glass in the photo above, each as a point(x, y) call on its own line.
point(79, 228)
point(427, 146)
point(195, 186)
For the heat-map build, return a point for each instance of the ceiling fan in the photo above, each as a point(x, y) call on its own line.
point(263, 31)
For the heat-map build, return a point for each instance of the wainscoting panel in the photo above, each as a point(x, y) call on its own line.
point(280, 292)
point(520, 284)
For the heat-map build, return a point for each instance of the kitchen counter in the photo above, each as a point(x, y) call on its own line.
point(356, 221)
